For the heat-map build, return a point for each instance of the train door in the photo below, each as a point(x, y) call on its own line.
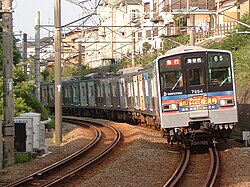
point(136, 94)
point(195, 68)
point(83, 93)
point(129, 92)
point(75, 94)
point(91, 94)
point(141, 92)
point(122, 96)
point(147, 91)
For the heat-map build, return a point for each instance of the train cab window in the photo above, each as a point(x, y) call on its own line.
point(171, 79)
point(195, 76)
point(219, 69)
point(220, 76)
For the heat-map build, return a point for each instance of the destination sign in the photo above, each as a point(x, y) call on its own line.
point(173, 62)
point(194, 60)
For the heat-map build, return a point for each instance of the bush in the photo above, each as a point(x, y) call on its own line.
point(22, 157)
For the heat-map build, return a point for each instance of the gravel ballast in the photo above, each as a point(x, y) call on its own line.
point(143, 158)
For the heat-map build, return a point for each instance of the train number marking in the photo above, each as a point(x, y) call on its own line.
point(196, 91)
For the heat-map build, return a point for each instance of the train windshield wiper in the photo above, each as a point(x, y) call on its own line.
point(177, 82)
point(221, 84)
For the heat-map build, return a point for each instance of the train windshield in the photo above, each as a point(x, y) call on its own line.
point(195, 76)
point(171, 74)
point(219, 69)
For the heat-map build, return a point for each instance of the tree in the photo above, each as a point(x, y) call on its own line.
point(146, 47)
point(24, 100)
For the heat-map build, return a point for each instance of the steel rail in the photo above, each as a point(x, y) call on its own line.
point(213, 169)
point(91, 161)
point(180, 169)
point(39, 173)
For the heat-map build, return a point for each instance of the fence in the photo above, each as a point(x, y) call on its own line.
point(220, 30)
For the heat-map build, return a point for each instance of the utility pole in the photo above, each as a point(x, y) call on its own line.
point(1, 145)
point(25, 53)
point(8, 123)
point(37, 55)
point(80, 60)
point(191, 23)
point(1, 124)
point(58, 81)
point(112, 31)
point(133, 49)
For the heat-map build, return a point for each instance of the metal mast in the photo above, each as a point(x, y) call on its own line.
point(58, 81)
point(37, 54)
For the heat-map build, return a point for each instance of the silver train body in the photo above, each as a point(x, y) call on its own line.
point(189, 93)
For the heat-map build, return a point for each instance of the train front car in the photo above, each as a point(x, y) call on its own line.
point(197, 94)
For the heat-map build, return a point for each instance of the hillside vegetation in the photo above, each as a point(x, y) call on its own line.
point(239, 45)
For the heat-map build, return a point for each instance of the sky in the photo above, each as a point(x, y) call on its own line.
point(24, 15)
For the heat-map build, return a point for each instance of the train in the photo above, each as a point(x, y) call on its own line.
point(188, 93)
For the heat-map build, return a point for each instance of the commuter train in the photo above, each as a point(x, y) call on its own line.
point(188, 93)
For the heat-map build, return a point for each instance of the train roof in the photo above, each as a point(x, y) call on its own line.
point(183, 49)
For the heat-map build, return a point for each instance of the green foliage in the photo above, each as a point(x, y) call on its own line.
point(19, 75)
point(146, 47)
point(242, 66)
point(245, 19)
point(21, 106)
point(51, 124)
point(145, 60)
point(24, 100)
point(232, 43)
point(45, 75)
point(22, 157)
point(124, 63)
point(24, 90)
point(238, 44)
point(180, 20)
point(16, 54)
point(172, 42)
point(68, 71)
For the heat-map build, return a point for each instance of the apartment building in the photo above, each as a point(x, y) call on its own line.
point(125, 25)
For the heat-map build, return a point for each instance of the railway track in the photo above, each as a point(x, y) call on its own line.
point(189, 173)
point(105, 140)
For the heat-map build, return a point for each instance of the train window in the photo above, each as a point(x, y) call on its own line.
point(91, 91)
point(68, 92)
point(171, 79)
point(83, 90)
point(74, 91)
point(98, 91)
point(44, 93)
point(219, 69)
point(114, 90)
point(101, 90)
point(51, 93)
point(195, 76)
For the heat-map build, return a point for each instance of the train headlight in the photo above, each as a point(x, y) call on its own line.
point(220, 127)
point(174, 106)
point(231, 126)
point(216, 127)
point(226, 102)
point(170, 107)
